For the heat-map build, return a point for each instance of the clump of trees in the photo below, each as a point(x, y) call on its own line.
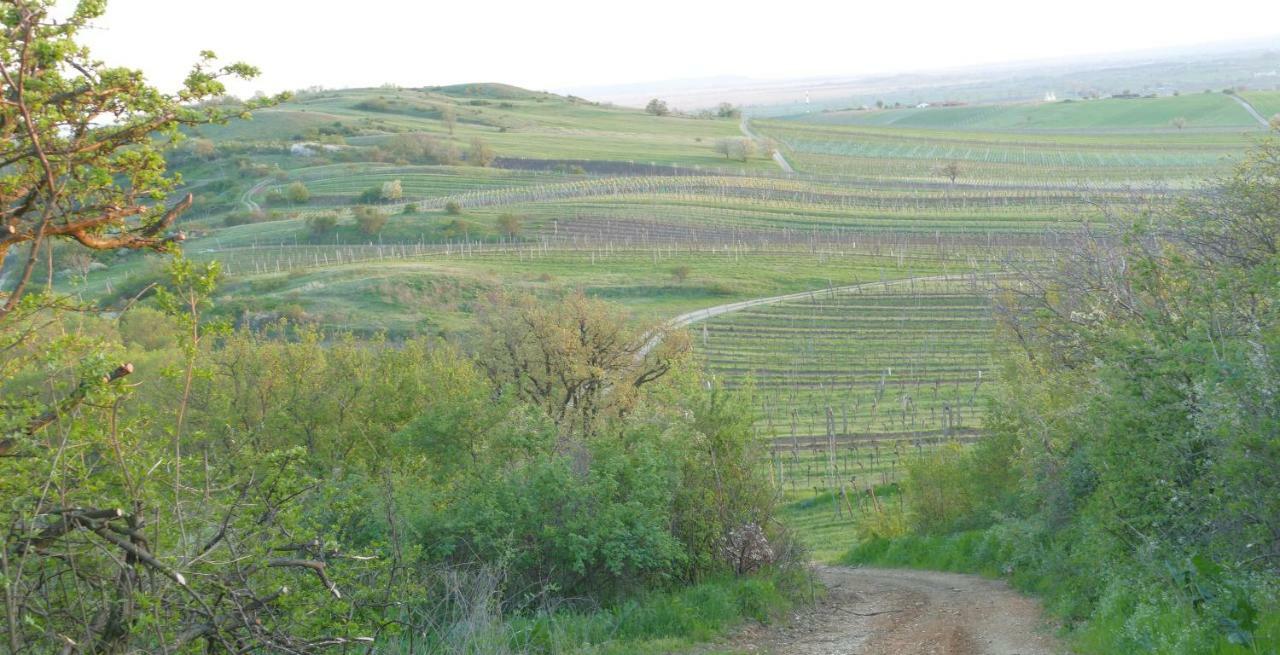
point(419, 148)
point(727, 110)
point(740, 148)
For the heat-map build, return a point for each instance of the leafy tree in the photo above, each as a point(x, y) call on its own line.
point(740, 148)
point(77, 140)
point(449, 117)
point(510, 224)
point(369, 220)
point(577, 359)
point(297, 193)
point(481, 153)
point(452, 207)
point(391, 191)
point(727, 110)
point(657, 107)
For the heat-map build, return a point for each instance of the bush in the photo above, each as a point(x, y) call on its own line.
point(453, 208)
point(510, 224)
point(298, 193)
point(322, 224)
point(369, 220)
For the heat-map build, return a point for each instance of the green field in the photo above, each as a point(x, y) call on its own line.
point(1196, 110)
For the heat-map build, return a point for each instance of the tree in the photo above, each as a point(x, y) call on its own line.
point(1275, 122)
point(369, 220)
point(950, 170)
point(297, 193)
point(577, 359)
point(453, 207)
point(727, 110)
point(80, 157)
point(740, 148)
point(481, 154)
point(681, 273)
point(657, 107)
point(1179, 122)
point(510, 224)
point(449, 117)
point(203, 148)
point(391, 191)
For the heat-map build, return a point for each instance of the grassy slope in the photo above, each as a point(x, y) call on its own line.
point(1266, 102)
point(539, 126)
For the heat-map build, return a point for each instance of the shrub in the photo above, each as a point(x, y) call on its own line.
point(369, 220)
point(298, 193)
point(322, 224)
point(510, 224)
point(453, 208)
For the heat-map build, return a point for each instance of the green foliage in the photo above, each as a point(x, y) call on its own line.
point(369, 221)
point(71, 176)
point(1131, 469)
point(297, 193)
point(322, 225)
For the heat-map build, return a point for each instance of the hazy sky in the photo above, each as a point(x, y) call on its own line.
point(557, 44)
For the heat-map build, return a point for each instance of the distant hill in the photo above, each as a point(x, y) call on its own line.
point(492, 90)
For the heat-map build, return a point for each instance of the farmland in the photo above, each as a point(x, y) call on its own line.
point(637, 209)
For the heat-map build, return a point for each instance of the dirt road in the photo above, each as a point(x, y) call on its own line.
point(780, 160)
point(899, 612)
point(1252, 112)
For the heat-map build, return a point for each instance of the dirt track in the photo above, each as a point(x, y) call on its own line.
point(898, 612)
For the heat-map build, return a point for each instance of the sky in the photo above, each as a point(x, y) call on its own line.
point(571, 44)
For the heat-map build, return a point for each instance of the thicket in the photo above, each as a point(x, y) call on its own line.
point(284, 490)
point(1132, 467)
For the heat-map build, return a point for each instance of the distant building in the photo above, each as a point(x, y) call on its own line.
point(1050, 96)
point(922, 105)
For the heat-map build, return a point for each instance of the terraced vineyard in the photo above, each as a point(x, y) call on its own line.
point(859, 372)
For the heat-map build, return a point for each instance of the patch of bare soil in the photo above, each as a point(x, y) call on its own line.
point(900, 612)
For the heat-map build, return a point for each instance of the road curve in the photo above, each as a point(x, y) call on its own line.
point(902, 612)
point(777, 155)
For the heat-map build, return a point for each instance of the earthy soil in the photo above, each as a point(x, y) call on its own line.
point(898, 612)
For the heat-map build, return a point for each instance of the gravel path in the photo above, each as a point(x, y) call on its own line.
point(901, 612)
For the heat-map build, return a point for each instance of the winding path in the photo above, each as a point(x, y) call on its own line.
point(902, 612)
point(777, 154)
point(1252, 112)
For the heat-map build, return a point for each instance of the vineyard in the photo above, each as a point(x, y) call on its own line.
point(852, 296)
point(1003, 158)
